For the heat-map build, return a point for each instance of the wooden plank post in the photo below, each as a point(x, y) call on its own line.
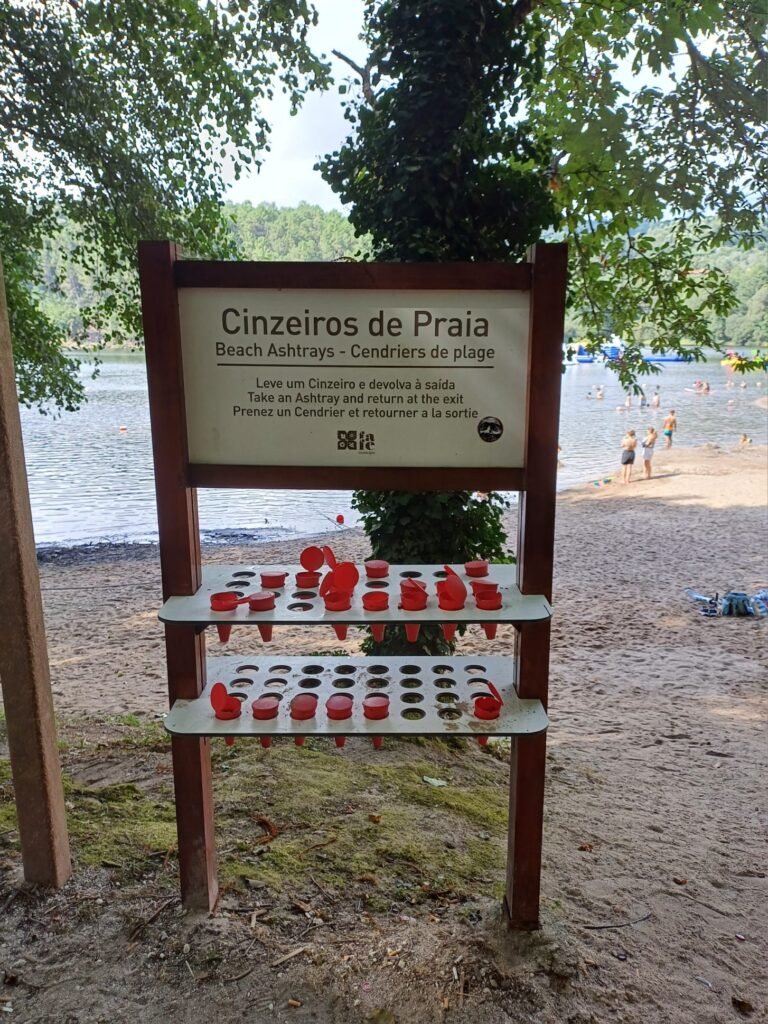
point(536, 535)
point(181, 567)
point(24, 671)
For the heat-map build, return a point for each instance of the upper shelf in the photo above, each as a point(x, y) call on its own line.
point(298, 605)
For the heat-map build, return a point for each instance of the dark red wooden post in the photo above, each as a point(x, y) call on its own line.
point(181, 566)
point(536, 535)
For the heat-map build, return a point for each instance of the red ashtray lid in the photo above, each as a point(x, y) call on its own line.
point(303, 706)
point(311, 558)
point(454, 587)
point(410, 584)
point(329, 556)
point(339, 706)
point(345, 576)
point(266, 706)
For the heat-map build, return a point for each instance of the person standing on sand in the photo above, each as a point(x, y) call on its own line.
point(628, 445)
point(670, 426)
point(648, 444)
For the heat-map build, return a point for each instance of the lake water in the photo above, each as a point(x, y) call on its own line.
point(90, 480)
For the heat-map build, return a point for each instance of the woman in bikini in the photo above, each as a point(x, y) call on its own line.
point(628, 446)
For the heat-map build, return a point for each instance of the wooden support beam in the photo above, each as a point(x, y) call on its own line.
point(24, 672)
point(181, 567)
point(536, 536)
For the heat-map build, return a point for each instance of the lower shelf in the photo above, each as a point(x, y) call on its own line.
point(428, 697)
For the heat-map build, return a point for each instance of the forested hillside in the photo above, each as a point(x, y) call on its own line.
point(306, 232)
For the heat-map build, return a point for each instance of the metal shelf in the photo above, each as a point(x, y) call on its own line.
point(428, 696)
point(297, 606)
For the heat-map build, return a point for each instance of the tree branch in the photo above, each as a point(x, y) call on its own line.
point(364, 74)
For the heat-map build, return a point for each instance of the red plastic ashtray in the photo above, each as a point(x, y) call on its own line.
point(339, 707)
point(345, 576)
point(478, 568)
point(224, 601)
point(224, 706)
point(412, 586)
point(488, 602)
point(484, 588)
point(303, 706)
point(263, 601)
point(376, 568)
point(337, 601)
point(446, 604)
point(413, 603)
point(328, 555)
point(376, 706)
point(486, 706)
point(307, 579)
point(454, 588)
point(273, 579)
point(266, 707)
point(375, 601)
point(311, 559)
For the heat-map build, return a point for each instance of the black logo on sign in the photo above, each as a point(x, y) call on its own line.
point(490, 428)
point(355, 441)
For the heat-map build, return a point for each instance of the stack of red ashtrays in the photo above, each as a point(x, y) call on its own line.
point(487, 707)
point(488, 599)
point(337, 588)
point(451, 596)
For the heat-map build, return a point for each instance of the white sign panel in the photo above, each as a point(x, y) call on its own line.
point(355, 377)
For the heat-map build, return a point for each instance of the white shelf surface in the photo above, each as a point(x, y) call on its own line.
point(299, 606)
point(428, 696)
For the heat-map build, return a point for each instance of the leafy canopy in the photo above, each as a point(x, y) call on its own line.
point(123, 117)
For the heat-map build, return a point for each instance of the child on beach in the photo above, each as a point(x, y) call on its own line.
point(670, 426)
point(648, 445)
point(628, 446)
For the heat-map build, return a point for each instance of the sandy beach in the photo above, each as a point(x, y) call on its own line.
point(655, 883)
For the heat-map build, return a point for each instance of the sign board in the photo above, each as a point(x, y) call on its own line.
point(358, 377)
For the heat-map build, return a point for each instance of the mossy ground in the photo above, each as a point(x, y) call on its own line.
point(356, 822)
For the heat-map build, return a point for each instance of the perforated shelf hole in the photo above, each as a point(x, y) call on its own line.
point(410, 684)
point(280, 670)
point(312, 670)
point(247, 668)
point(376, 584)
point(411, 574)
point(343, 683)
point(410, 670)
point(299, 606)
point(443, 670)
point(345, 670)
point(245, 574)
point(272, 694)
point(305, 595)
point(275, 684)
point(412, 714)
point(446, 698)
point(475, 669)
point(237, 696)
point(444, 683)
point(412, 698)
point(309, 683)
point(377, 683)
point(449, 714)
point(378, 670)
point(235, 583)
point(241, 682)
point(441, 574)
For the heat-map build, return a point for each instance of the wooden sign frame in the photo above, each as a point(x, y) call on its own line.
point(162, 274)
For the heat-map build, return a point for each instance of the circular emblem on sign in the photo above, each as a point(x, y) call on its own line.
point(490, 428)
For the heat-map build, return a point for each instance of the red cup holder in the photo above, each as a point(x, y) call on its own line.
point(224, 601)
point(375, 601)
point(376, 569)
point(225, 706)
point(263, 601)
point(337, 601)
point(307, 580)
point(303, 707)
point(339, 707)
point(266, 707)
point(275, 580)
point(478, 568)
point(376, 706)
point(488, 602)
